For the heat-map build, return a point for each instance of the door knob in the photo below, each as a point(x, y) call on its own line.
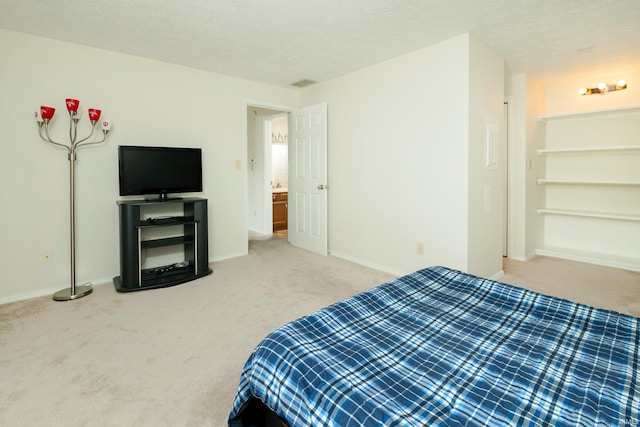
point(320, 187)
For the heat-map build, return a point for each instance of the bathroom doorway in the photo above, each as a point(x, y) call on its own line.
point(280, 174)
point(306, 174)
point(267, 172)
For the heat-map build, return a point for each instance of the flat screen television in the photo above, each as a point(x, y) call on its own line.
point(159, 170)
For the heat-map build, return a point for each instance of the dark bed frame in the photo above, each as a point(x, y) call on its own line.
point(257, 414)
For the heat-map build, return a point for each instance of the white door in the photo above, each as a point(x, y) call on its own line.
point(308, 178)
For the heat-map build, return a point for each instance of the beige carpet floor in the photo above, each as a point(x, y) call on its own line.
point(594, 285)
point(172, 357)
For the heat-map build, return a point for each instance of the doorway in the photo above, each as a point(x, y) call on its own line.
point(307, 175)
point(267, 127)
point(279, 125)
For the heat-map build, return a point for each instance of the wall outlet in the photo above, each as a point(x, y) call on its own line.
point(47, 257)
point(420, 248)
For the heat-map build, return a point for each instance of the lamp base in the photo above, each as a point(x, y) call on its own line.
point(65, 294)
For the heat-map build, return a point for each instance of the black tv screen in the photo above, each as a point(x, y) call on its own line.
point(159, 170)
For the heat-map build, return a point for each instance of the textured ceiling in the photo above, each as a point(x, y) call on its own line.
point(285, 41)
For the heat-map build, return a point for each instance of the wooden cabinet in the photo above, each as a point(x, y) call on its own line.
point(280, 208)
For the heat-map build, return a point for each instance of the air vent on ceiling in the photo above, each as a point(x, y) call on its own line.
point(303, 83)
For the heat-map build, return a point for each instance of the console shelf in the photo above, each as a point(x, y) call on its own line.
point(168, 241)
point(192, 236)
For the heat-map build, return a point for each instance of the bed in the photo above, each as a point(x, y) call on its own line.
point(442, 347)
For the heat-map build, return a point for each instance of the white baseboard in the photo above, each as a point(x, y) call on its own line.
point(227, 256)
point(379, 267)
point(29, 295)
point(591, 258)
point(44, 292)
point(499, 275)
point(526, 257)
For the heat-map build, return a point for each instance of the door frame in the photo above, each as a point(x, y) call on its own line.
point(510, 177)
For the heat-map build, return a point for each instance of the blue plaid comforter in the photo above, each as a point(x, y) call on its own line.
point(441, 347)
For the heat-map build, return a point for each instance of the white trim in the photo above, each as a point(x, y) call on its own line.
point(46, 292)
point(587, 150)
point(545, 181)
point(29, 295)
point(590, 214)
point(268, 105)
point(591, 258)
point(512, 185)
point(379, 267)
point(499, 275)
point(228, 256)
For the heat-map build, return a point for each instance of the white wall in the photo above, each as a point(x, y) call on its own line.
point(399, 155)
point(255, 172)
point(486, 201)
point(399, 158)
point(151, 103)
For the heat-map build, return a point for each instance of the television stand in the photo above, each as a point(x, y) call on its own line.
point(193, 238)
point(162, 197)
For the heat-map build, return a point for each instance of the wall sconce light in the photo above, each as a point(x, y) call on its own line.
point(603, 88)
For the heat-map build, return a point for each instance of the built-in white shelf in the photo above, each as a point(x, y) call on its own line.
point(588, 149)
point(590, 158)
point(590, 113)
point(589, 214)
point(545, 181)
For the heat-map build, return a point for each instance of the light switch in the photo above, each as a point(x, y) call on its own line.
point(492, 146)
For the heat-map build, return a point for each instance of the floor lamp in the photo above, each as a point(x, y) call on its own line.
point(43, 117)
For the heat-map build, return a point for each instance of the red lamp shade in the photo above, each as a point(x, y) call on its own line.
point(47, 112)
point(94, 115)
point(72, 104)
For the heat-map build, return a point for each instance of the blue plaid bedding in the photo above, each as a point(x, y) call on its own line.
point(441, 347)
